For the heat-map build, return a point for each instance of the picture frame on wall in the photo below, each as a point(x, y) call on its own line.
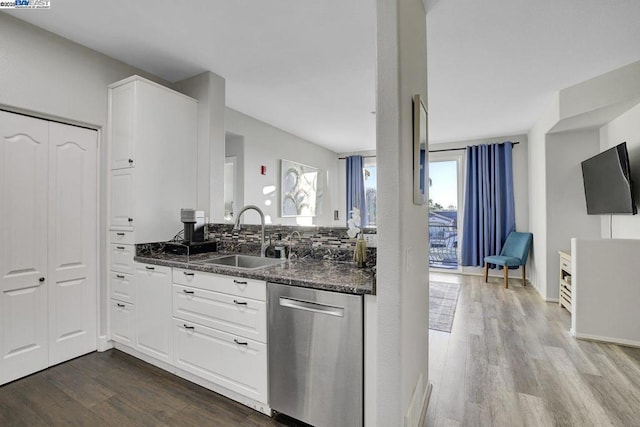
point(420, 152)
point(300, 190)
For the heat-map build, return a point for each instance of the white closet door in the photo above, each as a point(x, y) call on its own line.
point(72, 241)
point(23, 243)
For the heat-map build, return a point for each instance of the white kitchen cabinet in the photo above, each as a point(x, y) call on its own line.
point(238, 286)
point(153, 311)
point(228, 313)
point(153, 134)
point(220, 330)
point(122, 286)
point(122, 198)
point(236, 363)
point(122, 322)
point(122, 257)
point(48, 232)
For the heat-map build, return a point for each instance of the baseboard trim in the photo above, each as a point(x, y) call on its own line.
point(425, 405)
point(611, 340)
point(104, 343)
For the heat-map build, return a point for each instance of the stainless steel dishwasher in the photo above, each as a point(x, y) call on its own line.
point(316, 355)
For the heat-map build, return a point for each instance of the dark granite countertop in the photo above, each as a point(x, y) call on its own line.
point(334, 276)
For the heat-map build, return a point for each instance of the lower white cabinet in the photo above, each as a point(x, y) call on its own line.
point(228, 313)
point(153, 311)
point(208, 325)
point(237, 363)
point(122, 322)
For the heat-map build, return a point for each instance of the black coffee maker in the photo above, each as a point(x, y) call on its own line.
point(193, 225)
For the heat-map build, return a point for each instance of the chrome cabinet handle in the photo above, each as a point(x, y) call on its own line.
point(239, 282)
point(120, 305)
point(240, 342)
point(189, 274)
point(149, 268)
point(41, 279)
point(120, 248)
point(130, 161)
point(130, 219)
point(119, 234)
point(188, 292)
point(235, 301)
point(188, 327)
point(120, 276)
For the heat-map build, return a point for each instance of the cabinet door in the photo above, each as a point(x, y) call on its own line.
point(153, 311)
point(23, 236)
point(237, 363)
point(73, 188)
point(122, 125)
point(122, 322)
point(122, 200)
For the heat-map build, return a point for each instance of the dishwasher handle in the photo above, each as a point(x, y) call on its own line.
point(312, 306)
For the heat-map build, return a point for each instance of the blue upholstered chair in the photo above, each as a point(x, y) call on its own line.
point(514, 254)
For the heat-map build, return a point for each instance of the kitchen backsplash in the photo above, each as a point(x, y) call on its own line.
point(314, 242)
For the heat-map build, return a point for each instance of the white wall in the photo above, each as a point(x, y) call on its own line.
point(538, 197)
point(402, 279)
point(605, 291)
point(566, 207)
point(209, 89)
point(625, 128)
point(51, 77)
point(266, 145)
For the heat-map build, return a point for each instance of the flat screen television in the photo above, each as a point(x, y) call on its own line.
point(607, 182)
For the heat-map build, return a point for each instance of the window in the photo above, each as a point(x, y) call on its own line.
point(370, 172)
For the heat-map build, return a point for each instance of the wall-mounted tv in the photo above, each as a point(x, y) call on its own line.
point(607, 182)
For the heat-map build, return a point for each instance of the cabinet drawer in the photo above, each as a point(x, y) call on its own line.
point(238, 364)
point(122, 286)
point(232, 314)
point(123, 237)
point(238, 286)
point(122, 258)
point(565, 265)
point(122, 326)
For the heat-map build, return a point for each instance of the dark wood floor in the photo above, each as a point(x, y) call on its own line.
point(115, 389)
point(510, 361)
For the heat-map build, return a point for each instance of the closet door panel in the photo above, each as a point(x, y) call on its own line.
point(72, 241)
point(23, 245)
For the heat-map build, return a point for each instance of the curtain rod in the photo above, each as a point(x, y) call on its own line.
point(435, 151)
point(462, 148)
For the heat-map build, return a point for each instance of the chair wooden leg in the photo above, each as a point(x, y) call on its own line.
point(506, 276)
point(486, 271)
point(524, 275)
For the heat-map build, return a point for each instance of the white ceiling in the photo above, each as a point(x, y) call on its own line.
point(309, 67)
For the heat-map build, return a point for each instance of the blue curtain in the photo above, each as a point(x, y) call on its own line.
point(489, 210)
point(355, 187)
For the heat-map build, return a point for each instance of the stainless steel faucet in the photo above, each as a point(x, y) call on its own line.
point(236, 226)
point(290, 239)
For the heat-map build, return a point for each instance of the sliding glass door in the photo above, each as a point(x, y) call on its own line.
point(444, 199)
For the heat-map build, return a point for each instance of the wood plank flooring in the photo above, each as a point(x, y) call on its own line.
point(510, 361)
point(115, 389)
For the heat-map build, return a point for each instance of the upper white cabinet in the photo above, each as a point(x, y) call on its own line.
point(153, 135)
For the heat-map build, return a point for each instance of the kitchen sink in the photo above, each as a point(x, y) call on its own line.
point(245, 262)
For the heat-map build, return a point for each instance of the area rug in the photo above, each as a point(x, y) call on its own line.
point(443, 298)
